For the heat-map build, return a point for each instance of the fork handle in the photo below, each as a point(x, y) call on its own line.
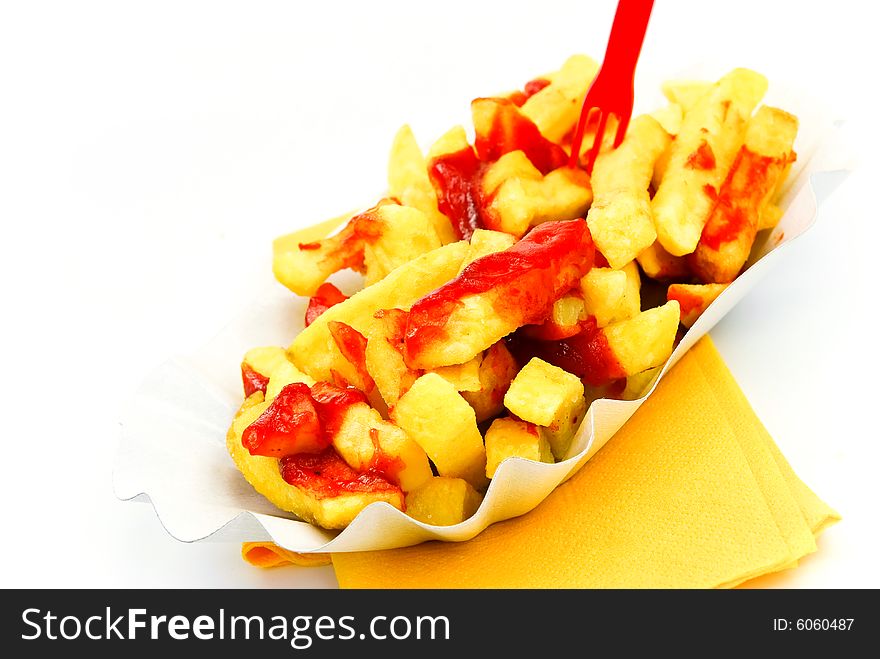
point(628, 34)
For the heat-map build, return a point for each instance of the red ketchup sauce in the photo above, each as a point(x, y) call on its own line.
point(326, 475)
point(702, 158)
point(252, 381)
point(325, 297)
point(511, 131)
point(586, 355)
point(289, 425)
point(455, 177)
point(353, 346)
point(737, 203)
point(525, 280)
point(688, 302)
point(332, 402)
point(532, 87)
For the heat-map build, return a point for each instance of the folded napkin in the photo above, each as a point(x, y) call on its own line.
point(691, 493)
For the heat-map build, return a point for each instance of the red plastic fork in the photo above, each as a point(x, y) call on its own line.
point(612, 89)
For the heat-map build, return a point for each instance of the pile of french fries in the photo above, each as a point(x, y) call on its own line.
point(504, 290)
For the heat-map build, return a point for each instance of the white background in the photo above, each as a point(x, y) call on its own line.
point(149, 152)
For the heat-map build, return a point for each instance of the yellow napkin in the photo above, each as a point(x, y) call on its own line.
point(691, 493)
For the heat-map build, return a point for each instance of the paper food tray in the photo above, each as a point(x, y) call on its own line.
point(173, 451)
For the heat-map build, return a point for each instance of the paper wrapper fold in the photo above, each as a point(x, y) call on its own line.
point(173, 452)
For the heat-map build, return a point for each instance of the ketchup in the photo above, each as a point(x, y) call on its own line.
point(702, 158)
point(252, 381)
point(511, 131)
point(353, 346)
point(332, 402)
point(325, 297)
point(325, 475)
point(456, 180)
point(532, 87)
point(289, 425)
point(687, 301)
point(736, 205)
point(525, 279)
point(586, 354)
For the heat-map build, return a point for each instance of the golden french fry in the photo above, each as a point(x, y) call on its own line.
point(497, 370)
point(612, 295)
point(443, 501)
point(620, 218)
point(363, 438)
point(486, 241)
point(685, 93)
point(659, 264)
point(700, 157)
point(464, 377)
point(401, 234)
point(550, 397)
point(646, 340)
point(263, 474)
point(509, 437)
point(520, 203)
point(435, 415)
point(555, 109)
point(315, 352)
point(769, 217)
point(408, 181)
point(759, 167)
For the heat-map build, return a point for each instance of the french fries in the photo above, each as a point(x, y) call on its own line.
point(409, 182)
point(504, 291)
point(757, 172)
point(700, 157)
point(620, 218)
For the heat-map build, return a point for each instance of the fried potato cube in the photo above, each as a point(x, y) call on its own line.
point(612, 295)
point(264, 475)
point(521, 203)
point(659, 264)
point(435, 415)
point(315, 352)
point(497, 294)
point(464, 377)
point(637, 385)
point(384, 355)
point(497, 370)
point(443, 501)
point(646, 340)
point(566, 316)
point(548, 396)
point(700, 157)
point(509, 437)
point(685, 93)
point(556, 108)
point(620, 218)
point(284, 374)
point(756, 174)
point(409, 182)
point(365, 440)
point(694, 299)
point(402, 234)
point(486, 241)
